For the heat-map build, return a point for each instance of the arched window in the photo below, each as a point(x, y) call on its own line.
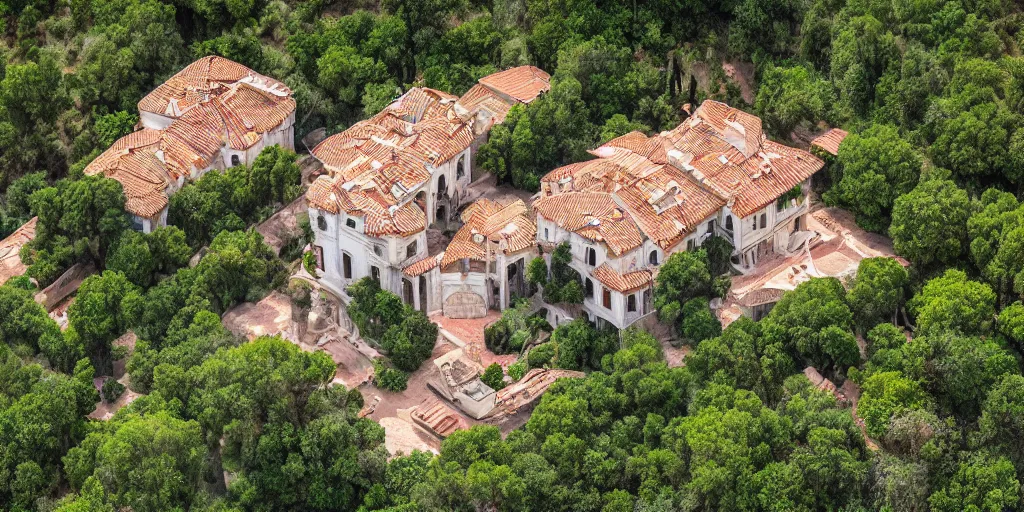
point(653, 258)
point(591, 256)
point(442, 186)
point(589, 288)
point(460, 169)
point(321, 223)
point(375, 274)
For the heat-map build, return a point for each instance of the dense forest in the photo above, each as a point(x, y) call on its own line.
point(932, 92)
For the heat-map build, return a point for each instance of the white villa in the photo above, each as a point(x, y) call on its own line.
point(391, 176)
point(644, 198)
point(213, 114)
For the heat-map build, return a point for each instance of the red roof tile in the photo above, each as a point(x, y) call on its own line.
point(830, 140)
point(623, 283)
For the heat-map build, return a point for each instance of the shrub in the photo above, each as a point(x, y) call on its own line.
point(517, 371)
point(699, 323)
point(494, 376)
point(112, 390)
point(541, 355)
point(309, 263)
point(388, 378)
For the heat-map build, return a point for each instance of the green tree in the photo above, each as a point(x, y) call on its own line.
point(699, 323)
point(886, 395)
point(105, 307)
point(144, 461)
point(980, 483)
point(929, 224)
point(683, 276)
point(1002, 418)
point(494, 376)
point(131, 256)
point(877, 293)
point(788, 96)
point(815, 322)
point(953, 303)
point(875, 167)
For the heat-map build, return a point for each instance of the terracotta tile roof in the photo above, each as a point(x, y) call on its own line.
point(830, 140)
point(215, 103)
point(623, 283)
point(592, 215)
point(207, 77)
point(670, 182)
point(133, 161)
point(523, 83)
point(503, 227)
point(377, 165)
point(426, 264)
point(480, 97)
point(10, 250)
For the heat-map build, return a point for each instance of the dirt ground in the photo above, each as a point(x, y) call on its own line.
point(272, 315)
point(470, 332)
point(417, 390)
point(283, 225)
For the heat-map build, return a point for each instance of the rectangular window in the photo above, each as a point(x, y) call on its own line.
point(764, 220)
point(346, 265)
point(711, 226)
point(319, 252)
point(606, 299)
point(375, 274)
point(631, 303)
point(690, 245)
point(350, 223)
point(410, 250)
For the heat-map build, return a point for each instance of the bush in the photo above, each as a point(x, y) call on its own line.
point(309, 263)
point(494, 376)
point(517, 371)
point(388, 378)
point(699, 323)
point(112, 390)
point(407, 335)
point(541, 355)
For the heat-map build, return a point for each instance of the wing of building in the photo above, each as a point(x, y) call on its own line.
point(213, 114)
point(643, 198)
point(408, 167)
